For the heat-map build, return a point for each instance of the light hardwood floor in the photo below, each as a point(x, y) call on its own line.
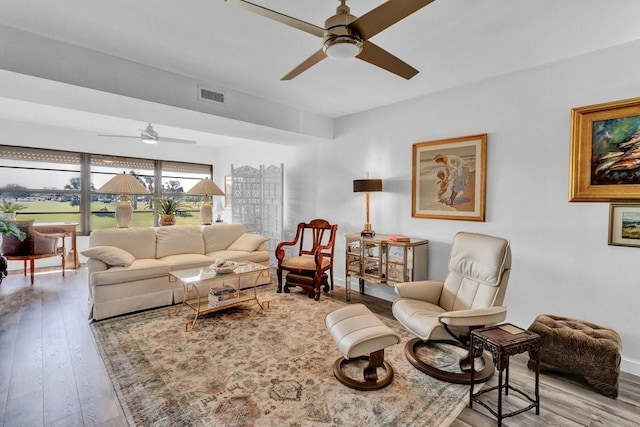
point(51, 373)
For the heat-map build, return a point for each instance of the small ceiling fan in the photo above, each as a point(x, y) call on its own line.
point(150, 136)
point(347, 36)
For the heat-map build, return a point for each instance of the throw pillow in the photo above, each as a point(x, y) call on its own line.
point(110, 255)
point(248, 242)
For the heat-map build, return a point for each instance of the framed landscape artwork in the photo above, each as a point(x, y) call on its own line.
point(448, 178)
point(605, 152)
point(624, 225)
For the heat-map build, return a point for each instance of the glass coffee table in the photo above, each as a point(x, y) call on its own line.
point(223, 290)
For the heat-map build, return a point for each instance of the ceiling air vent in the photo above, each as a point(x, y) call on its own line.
point(208, 95)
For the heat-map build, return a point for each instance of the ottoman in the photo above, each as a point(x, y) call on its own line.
point(580, 348)
point(359, 334)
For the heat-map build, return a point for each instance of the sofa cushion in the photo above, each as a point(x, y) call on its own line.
point(304, 263)
point(260, 257)
point(184, 261)
point(220, 236)
point(110, 255)
point(179, 239)
point(138, 270)
point(248, 242)
point(139, 242)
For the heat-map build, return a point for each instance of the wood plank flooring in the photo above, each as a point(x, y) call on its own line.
point(51, 373)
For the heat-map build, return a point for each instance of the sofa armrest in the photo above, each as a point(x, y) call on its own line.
point(94, 265)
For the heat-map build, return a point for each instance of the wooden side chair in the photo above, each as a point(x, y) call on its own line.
point(315, 241)
point(35, 246)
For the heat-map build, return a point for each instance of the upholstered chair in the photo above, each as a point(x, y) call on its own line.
point(35, 246)
point(313, 248)
point(470, 297)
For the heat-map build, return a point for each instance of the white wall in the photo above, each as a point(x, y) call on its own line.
point(561, 261)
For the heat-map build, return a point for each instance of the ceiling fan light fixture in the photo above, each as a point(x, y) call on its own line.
point(149, 139)
point(342, 47)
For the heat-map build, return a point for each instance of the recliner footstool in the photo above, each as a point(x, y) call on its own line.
point(359, 334)
point(580, 348)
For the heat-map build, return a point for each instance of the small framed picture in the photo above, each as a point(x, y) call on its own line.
point(624, 225)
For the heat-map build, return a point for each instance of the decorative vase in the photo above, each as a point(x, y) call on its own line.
point(167, 220)
point(124, 211)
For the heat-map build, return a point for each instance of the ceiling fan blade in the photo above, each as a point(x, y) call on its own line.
point(280, 17)
point(306, 64)
point(122, 136)
point(385, 15)
point(379, 57)
point(181, 141)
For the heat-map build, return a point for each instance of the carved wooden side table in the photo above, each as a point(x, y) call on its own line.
point(503, 341)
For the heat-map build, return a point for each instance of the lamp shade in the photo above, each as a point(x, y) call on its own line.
point(367, 185)
point(123, 184)
point(206, 187)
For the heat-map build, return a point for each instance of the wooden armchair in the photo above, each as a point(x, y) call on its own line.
point(316, 241)
point(35, 246)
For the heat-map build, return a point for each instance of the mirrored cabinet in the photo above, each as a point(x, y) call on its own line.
point(380, 259)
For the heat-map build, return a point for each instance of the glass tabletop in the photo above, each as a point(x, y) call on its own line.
point(195, 275)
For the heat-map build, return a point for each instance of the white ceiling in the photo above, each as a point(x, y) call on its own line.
point(451, 42)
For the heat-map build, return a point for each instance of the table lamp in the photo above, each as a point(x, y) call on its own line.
point(123, 185)
point(206, 188)
point(366, 186)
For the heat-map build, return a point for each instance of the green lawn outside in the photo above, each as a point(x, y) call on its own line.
point(65, 212)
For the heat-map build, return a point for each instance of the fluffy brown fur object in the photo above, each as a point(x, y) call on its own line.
point(581, 348)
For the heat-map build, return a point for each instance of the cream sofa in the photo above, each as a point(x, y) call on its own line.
point(128, 268)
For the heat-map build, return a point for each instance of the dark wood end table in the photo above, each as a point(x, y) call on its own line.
point(503, 341)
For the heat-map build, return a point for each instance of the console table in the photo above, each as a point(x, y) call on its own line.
point(380, 260)
point(69, 229)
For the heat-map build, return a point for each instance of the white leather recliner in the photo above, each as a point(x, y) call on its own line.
point(469, 298)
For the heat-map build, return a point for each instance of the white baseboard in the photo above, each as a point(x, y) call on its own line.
point(630, 366)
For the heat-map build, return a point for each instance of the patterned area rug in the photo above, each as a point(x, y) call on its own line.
point(250, 367)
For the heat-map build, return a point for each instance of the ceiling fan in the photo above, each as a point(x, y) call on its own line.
point(150, 136)
point(346, 36)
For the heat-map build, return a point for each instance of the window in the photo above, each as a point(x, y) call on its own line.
point(46, 182)
point(103, 206)
point(176, 179)
point(50, 184)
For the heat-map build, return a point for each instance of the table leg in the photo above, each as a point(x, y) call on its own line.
point(347, 286)
point(506, 382)
point(538, 381)
point(473, 370)
point(499, 398)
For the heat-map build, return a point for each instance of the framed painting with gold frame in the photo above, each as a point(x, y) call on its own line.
point(448, 178)
point(605, 152)
point(624, 225)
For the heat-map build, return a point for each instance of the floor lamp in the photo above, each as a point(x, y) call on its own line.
point(123, 185)
point(366, 186)
point(206, 188)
